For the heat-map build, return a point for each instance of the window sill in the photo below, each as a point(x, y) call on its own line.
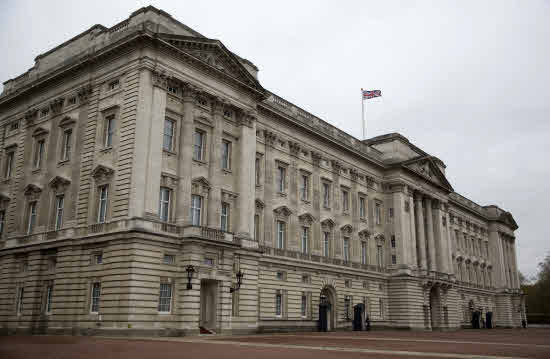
point(169, 152)
point(306, 201)
point(364, 220)
point(281, 194)
point(36, 170)
point(200, 162)
point(63, 162)
point(6, 180)
point(227, 171)
point(326, 208)
point(345, 213)
point(106, 149)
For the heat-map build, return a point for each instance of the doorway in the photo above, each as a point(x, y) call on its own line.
point(327, 309)
point(435, 308)
point(209, 304)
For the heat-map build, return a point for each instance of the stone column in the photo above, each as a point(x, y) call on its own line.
point(448, 232)
point(246, 184)
point(214, 163)
point(185, 157)
point(515, 260)
point(420, 235)
point(336, 209)
point(499, 276)
point(432, 265)
point(293, 229)
point(316, 188)
point(401, 227)
point(412, 228)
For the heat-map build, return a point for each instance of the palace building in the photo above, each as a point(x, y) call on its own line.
point(150, 184)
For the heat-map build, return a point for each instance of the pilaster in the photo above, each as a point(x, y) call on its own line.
point(420, 235)
point(432, 265)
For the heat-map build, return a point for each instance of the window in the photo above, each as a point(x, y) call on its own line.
point(14, 125)
point(379, 256)
point(382, 309)
point(49, 290)
point(209, 261)
point(19, 305)
point(278, 304)
point(365, 286)
point(39, 153)
point(378, 213)
point(363, 252)
point(95, 295)
point(392, 241)
point(164, 204)
point(113, 85)
point(102, 203)
point(67, 142)
point(52, 263)
point(257, 227)
point(305, 279)
point(486, 249)
point(226, 155)
point(2, 220)
point(71, 100)
point(196, 206)
point(281, 175)
point(326, 195)
point(9, 164)
point(169, 259)
point(305, 235)
point(32, 217)
point(393, 259)
point(280, 276)
point(165, 297)
point(347, 283)
point(44, 112)
point(59, 202)
point(304, 305)
point(304, 187)
point(173, 89)
point(225, 217)
point(326, 243)
point(257, 171)
point(198, 145)
point(109, 130)
point(168, 139)
point(346, 249)
point(345, 200)
point(362, 207)
point(390, 215)
point(281, 229)
point(97, 258)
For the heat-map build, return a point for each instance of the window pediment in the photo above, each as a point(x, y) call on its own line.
point(327, 223)
point(66, 122)
point(364, 234)
point(59, 184)
point(200, 186)
point(32, 190)
point(306, 219)
point(379, 238)
point(260, 205)
point(102, 173)
point(168, 180)
point(282, 211)
point(40, 131)
point(347, 229)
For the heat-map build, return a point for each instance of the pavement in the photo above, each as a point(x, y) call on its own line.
point(464, 344)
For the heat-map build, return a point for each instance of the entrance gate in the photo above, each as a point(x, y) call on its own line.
point(326, 309)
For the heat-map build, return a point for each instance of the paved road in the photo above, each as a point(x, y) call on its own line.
point(466, 344)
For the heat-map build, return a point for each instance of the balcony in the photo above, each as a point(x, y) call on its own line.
point(207, 233)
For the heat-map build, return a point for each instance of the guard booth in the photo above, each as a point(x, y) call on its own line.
point(358, 316)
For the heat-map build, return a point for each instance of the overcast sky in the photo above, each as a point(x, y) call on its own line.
point(466, 81)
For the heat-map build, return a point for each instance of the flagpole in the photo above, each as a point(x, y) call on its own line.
point(363, 114)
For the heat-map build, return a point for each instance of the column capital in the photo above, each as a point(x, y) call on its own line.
point(418, 196)
point(160, 79)
point(316, 157)
point(189, 92)
point(218, 105)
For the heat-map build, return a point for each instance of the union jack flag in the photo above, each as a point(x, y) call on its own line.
point(371, 94)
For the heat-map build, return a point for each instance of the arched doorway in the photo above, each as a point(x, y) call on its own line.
point(435, 307)
point(327, 309)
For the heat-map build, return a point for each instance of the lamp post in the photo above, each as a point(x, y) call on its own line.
point(190, 270)
point(240, 276)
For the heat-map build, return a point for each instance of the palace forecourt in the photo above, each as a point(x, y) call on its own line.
point(150, 185)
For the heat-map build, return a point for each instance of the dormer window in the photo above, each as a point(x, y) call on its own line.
point(227, 113)
point(113, 85)
point(173, 89)
point(71, 101)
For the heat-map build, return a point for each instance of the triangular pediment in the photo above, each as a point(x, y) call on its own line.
point(31, 189)
point(282, 211)
point(215, 55)
point(306, 218)
point(426, 168)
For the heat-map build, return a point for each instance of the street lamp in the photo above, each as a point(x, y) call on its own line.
point(240, 276)
point(190, 270)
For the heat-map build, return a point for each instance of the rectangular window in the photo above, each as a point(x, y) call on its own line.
point(257, 171)
point(379, 256)
point(281, 175)
point(362, 207)
point(304, 305)
point(198, 146)
point(378, 213)
point(280, 276)
point(169, 259)
point(59, 203)
point(382, 309)
point(257, 227)
point(164, 204)
point(363, 252)
point(39, 153)
point(109, 130)
point(67, 143)
point(97, 258)
point(346, 249)
point(71, 100)
point(44, 112)
point(113, 85)
point(102, 203)
point(196, 207)
point(95, 295)
point(226, 155)
point(209, 261)
point(390, 215)
point(9, 164)
point(20, 295)
point(392, 241)
point(281, 232)
point(326, 195)
point(32, 217)
point(278, 304)
point(49, 290)
point(304, 188)
point(165, 297)
point(393, 259)
point(345, 200)
point(326, 243)
point(225, 217)
point(2, 220)
point(305, 236)
point(168, 139)
point(305, 279)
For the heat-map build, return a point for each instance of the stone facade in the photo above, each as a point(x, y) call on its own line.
point(129, 153)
